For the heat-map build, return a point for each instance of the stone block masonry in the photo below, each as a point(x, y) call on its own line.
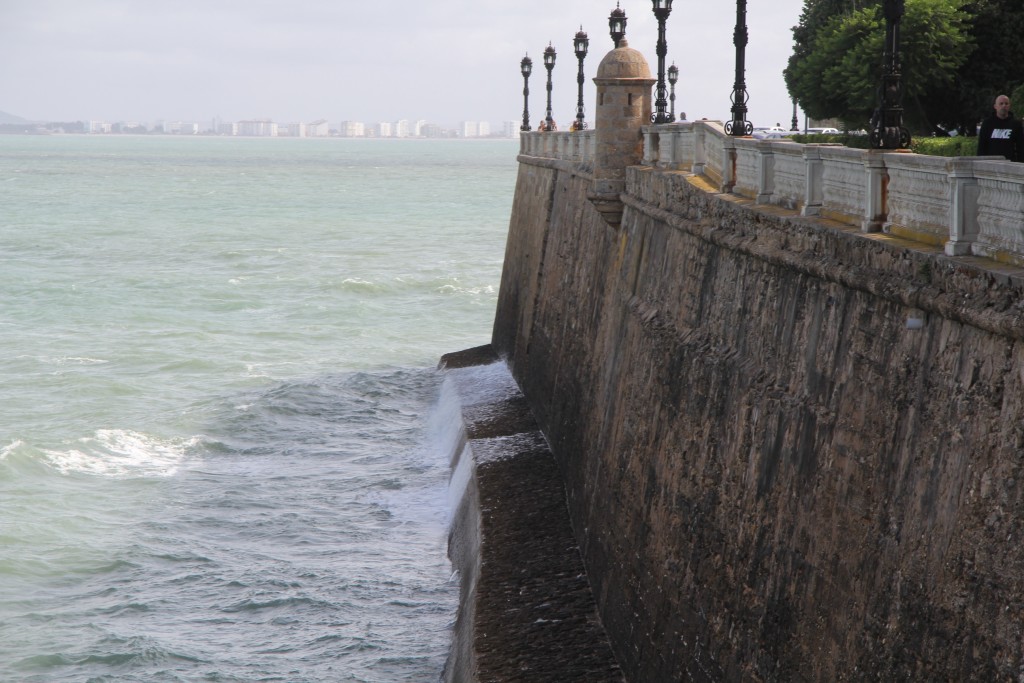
point(791, 450)
point(526, 610)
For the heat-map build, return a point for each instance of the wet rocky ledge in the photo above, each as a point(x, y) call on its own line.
point(526, 611)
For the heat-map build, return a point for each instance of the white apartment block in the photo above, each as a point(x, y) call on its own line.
point(258, 128)
point(318, 129)
point(382, 129)
point(181, 128)
point(401, 129)
point(352, 129)
point(510, 129)
point(483, 129)
point(291, 130)
point(470, 129)
point(418, 128)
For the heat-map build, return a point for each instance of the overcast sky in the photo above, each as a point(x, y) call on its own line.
point(373, 60)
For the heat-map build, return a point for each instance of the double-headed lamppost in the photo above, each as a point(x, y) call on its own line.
point(549, 64)
point(673, 76)
point(887, 131)
point(526, 66)
point(617, 24)
point(580, 44)
point(739, 125)
point(662, 8)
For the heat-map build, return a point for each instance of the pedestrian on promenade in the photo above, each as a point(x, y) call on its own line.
point(1001, 133)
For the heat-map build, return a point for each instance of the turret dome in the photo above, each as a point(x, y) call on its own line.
point(623, 62)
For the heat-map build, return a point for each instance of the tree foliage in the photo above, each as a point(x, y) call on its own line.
point(956, 56)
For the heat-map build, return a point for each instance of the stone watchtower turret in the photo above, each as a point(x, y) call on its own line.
point(623, 105)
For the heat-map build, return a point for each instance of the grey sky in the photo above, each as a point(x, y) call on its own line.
point(373, 60)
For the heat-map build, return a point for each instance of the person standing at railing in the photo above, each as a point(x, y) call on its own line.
point(1001, 133)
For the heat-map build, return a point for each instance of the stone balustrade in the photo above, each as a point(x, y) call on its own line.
point(967, 205)
point(576, 146)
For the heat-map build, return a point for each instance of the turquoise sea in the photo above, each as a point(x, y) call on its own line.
point(223, 441)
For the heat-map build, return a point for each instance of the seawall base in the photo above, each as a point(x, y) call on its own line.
point(526, 612)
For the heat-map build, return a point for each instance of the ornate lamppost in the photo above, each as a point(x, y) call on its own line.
point(887, 131)
point(662, 8)
point(526, 66)
point(549, 64)
point(739, 125)
point(795, 123)
point(673, 76)
point(580, 44)
point(617, 24)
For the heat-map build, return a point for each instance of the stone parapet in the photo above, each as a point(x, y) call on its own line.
point(966, 205)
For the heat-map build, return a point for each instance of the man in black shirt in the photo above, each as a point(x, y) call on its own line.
point(1001, 134)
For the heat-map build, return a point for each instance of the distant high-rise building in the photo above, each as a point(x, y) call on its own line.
point(258, 128)
point(470, 129)
point(128, 127)
point(352, 129)
point(483, 129)
point(382, 129)
point(432, 130)
point(418, 128)
point(318, 129)
point(181, 128)
point(230, 128)
point(400, 129)
point(292, 130)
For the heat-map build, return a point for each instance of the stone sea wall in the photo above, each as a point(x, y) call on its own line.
point(526, 609)
point(791, 451)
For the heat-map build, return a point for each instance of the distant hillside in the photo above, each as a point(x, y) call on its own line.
point(11, 118)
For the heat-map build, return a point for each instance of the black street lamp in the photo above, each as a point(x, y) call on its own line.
point(526, 66)
point(887, 131)
point(739, 125)
point(580, 44)
point(617, 24)
point(662, 8)
point(795, 122)
point(673, 76)
point(549, 64)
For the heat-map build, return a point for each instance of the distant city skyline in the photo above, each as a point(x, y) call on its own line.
point(214, 121)
point(448, 61)
point(401, 128)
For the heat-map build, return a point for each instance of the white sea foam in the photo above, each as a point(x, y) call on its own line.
point(65, 360)
point(10, 448)
point(478, 385)
point(121, 453)
point(455, 289)
point(357, 284)
point(490, 383)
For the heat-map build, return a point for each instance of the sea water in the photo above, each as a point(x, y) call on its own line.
point(223, 453)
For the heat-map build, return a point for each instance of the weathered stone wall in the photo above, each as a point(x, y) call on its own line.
point(526, 611)
point(792, 451)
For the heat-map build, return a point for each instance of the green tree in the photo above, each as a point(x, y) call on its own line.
point(816, 14)
point(996, 66)
point(1017, 99)
point(841, 71)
